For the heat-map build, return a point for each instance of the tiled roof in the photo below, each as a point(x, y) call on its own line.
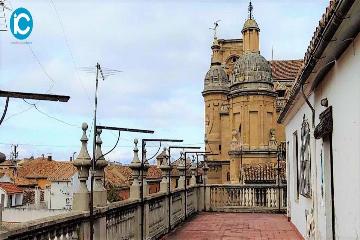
point(119, 175)
point(154, 173)
point(285, 69)
point(19, 181)
point(10, 188)
point(47, 169)
point(264, 172)
point(64, 172)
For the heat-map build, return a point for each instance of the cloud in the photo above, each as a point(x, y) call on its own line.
point(163, 49)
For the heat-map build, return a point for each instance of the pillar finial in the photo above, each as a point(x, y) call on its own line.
point(98, 151)
point(84, 154)
point(136, 153)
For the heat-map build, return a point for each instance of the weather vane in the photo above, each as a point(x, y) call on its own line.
point(216, 25)
point(250, 10)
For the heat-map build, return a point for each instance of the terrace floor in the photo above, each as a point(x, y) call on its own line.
point(231, 226)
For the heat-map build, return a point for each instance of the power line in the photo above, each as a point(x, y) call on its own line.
point(18, 113)
point(64, 146)
point(42, 68)
point(70, 51)
point(49, 116)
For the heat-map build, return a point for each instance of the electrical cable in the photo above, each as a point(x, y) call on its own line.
point(42, 68)
point(49, 116)
point(71, 53)
point(5, 110)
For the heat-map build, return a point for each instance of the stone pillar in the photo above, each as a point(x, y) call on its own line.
point(100, 194)
point(193, 169)
point(83, 164)
point(182, 168)
point(135, 167)
point(165, 168)
point(81, 198)
point(206, 189)
point(146, 167)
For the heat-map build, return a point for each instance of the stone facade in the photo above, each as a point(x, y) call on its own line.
point(243, 94)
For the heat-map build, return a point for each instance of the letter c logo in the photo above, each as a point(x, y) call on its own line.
point(21, 23)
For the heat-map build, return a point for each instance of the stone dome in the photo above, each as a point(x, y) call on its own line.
point(2, 157)
point(216, 79)
point(252, 71)
point(250, 24)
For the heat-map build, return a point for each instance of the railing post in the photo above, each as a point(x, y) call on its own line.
point(182, 181)
point(81, 197)
point(135, 189)
point(206, 188)
point(164, 186)
point(100, 193)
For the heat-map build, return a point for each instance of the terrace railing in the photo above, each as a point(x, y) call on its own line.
point(247, 198)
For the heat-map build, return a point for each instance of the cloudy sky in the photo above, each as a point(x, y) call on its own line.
point(163, 49)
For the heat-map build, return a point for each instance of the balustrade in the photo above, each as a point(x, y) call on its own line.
point(253, 198)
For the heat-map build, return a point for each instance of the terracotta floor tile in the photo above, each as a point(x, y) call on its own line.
point(231, 226)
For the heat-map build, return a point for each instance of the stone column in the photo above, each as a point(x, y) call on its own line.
point(146, 167)
point(182, 168)
point(135, 167)
point(193, 169)
point(165, 168)
point(83, 164)
point(206, 189)
point(100, 194)
point(81, 198)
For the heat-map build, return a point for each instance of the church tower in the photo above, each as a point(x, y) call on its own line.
point(240, 106)
point(216, 89)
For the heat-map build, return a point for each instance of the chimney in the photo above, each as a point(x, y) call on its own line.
point(71, 159)
point(49, 158)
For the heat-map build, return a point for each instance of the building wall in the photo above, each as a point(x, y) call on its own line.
point(60, 195)
point(341, 87)
point(298, 205)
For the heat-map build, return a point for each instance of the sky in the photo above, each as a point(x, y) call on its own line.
point(162, 49)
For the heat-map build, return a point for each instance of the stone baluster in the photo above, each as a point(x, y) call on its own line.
point(135, 167)
point(83, 164)
point(100, 195)
point(165, 168)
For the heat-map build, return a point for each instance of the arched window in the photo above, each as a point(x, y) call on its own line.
point(228, 176)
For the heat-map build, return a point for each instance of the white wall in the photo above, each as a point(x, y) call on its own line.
point(60, 195)
point(299, 205)
point(341, 86)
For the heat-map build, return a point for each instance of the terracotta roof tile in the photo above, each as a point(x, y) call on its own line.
point(264, 172)
point(47, 169)
point(285, 69)
point(19, 181)
point(117, 175)
point(154, 173)
point(10, 188)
